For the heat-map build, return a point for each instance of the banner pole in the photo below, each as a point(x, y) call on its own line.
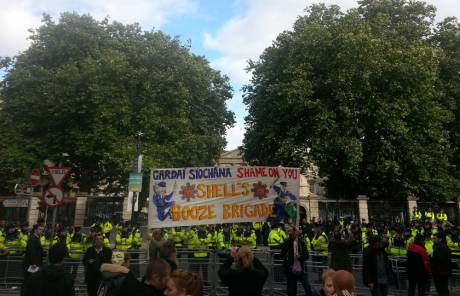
point(297, 222)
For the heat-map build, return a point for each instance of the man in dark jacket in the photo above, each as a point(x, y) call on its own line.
point(339, 248)
point(418, 266)
point(34, 252)
point(377, 271)
point(51, 280)
point(94, 257)
point(441, 264)
point(295, 254)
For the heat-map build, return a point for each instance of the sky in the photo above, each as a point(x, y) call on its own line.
point(227, 32)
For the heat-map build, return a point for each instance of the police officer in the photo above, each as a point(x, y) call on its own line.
point(76, 243)
point(178, 237)
point(276, 237)
point(12, 240)
point(248, 237)
point(320, 244)
point(224, 238)
point(453, 242)
point(200, 254)
point(123, 239)
point(397, 244)
point(441, 216)
point(415, 215)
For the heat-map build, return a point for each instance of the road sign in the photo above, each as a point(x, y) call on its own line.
point(58, 174)
point(53, 196)
point(16, 203)
point(23, 189)
point(135, 182)
point(35, 177)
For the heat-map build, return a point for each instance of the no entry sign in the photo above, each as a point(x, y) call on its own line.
point(35, 177)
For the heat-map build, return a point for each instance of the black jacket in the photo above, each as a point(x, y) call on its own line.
point(93, 261)
point(112, 282)
point(51, 280)
point(340, 255)
point(370, 266)
point(34, 252)
point(243, 283)
point(287, 253)
point(441, 262)
point(131, 286)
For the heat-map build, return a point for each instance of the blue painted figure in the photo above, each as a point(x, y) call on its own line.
point(280, 202)
point(163, 201)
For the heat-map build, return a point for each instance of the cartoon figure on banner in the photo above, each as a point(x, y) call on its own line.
point(283, 207)
point(163, 201)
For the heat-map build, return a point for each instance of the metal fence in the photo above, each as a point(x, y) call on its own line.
point(11, 272)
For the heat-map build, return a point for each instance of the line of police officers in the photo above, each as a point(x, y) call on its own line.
point(13, 240)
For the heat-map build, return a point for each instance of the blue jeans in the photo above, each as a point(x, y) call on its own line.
point(292, 283)
point(380, 290)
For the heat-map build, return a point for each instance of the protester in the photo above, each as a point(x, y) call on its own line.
point(114, 274)
point(155, 244)
point(94, 257)
point(377, 271)
point(344, 283)
point(168, 252)
point(327, 285)
point(152, 284)
point(295, 254)
point(339, 248)
point(418, 266)
point(184, 283)
point(441, 265)
point(249, 275)
point(34, 252)
point(51, 280)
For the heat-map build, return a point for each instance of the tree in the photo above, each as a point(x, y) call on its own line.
point(87, 87)
point(356, 94)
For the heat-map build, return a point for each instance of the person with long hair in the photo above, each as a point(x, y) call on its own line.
point(183, 282)
point(249, 275)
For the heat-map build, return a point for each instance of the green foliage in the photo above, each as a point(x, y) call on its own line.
point(360, 95)
point(86, 88)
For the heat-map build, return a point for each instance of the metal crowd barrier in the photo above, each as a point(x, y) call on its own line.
point(11, 272)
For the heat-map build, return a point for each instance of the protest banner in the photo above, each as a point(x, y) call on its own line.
point(226, 194)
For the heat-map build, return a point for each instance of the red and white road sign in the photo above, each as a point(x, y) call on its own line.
point(35, 177)
point(53, 196)
point(58, 174)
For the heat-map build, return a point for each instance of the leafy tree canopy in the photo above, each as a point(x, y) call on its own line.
point(368, 95)
point(87, 87)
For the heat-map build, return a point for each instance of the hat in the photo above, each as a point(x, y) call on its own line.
point(162, 184)
point(283, 183)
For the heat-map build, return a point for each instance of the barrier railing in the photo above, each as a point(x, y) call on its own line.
point(207, 265)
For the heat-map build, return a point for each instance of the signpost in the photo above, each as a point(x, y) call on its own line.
point(53, 196)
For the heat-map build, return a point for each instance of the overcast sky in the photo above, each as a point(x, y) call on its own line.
point(227, 32)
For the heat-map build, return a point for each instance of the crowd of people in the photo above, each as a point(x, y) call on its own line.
point(428, 243)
